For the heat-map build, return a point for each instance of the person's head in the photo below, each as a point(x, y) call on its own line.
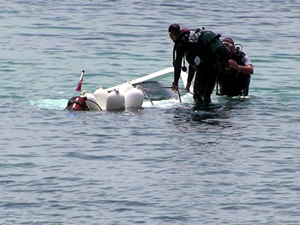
point(174, 30)
point(229, 44)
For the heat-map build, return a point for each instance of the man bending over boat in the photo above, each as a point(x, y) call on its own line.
point(235, 77)
point(203, 51)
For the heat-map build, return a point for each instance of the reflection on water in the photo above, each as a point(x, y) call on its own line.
point(213, 127)
point(215, 114)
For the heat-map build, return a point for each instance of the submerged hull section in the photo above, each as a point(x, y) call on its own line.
point(127, 95)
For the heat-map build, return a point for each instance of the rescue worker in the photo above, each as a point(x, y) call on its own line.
point(235, 77)
point(200, 59)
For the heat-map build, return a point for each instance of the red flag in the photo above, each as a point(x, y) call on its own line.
point(80, 81)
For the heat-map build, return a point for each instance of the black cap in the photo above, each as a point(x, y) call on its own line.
point(174, 28)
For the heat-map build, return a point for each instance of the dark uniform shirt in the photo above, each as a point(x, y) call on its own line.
point(233, 82)
point(188, 46)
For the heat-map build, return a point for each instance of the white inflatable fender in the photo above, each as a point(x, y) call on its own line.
point(101, 96)
point(91, 101)
point(125, 87)
point(134, 97)
point(115, 101)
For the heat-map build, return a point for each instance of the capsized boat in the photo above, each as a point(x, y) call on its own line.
point(130, 94)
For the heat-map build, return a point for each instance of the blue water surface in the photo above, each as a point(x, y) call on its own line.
point(235, 161)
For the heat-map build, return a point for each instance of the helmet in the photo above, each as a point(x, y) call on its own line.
point(174, 28)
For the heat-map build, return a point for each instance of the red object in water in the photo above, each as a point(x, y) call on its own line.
point(80, 81)
point(77, 103)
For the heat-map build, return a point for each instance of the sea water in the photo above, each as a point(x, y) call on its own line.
point(235, 161)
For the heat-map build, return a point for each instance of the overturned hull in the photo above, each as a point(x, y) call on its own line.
point(127, 95)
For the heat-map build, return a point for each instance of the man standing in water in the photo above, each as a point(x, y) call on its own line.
point(235, 78)
point(201, 61)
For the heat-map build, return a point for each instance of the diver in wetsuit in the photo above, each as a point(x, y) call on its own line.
point(201, 59)
point(235, 77)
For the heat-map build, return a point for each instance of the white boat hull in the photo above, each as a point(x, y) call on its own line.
point(131, 93)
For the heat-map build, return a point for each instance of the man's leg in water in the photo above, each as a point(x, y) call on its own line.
point(198, 88)
point(211, 73)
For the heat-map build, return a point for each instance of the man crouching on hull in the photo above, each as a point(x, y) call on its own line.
point(202, 60)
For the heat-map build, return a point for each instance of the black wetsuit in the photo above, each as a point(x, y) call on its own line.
point(233, 82)
point(206, 72)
